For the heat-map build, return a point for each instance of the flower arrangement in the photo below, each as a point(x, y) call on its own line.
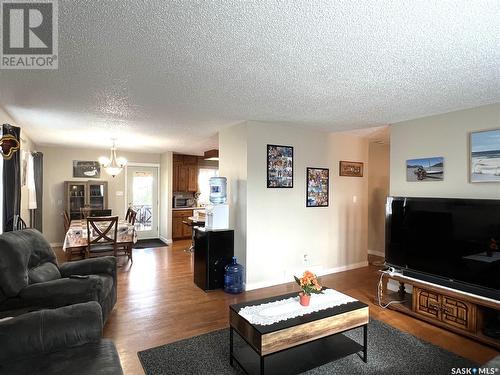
point(309, 283)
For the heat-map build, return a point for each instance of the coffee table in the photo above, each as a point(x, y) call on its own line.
point(298, 344)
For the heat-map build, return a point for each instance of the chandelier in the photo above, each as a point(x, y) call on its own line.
point(112, 165)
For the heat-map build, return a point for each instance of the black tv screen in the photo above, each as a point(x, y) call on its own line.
point(453, 242)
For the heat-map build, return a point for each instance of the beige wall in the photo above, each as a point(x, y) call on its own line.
point(58, 167)
point(166, 197)
point(445, 135)
point(378, 190)
point(280, 229)
point(233, 166)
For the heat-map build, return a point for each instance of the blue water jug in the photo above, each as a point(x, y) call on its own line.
point(233, 278)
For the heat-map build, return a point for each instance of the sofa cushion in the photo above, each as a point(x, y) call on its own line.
point(21, 250)
point(44, 272)
point(95, 358)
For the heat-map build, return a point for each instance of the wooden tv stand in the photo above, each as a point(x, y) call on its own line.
point(457, 311)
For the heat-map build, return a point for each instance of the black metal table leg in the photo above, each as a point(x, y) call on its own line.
point(231, 346)
point(365, 343)
point(261, 365)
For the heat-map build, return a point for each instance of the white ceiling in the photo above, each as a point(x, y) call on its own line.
point(167, 75)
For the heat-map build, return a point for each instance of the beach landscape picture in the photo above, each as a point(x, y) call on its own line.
point(485, 156)
point(425, 169)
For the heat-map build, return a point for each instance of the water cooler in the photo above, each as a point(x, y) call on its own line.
point(213, 244)
point(217, 213)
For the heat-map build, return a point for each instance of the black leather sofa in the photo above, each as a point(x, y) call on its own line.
point(31, 279)
point(66, 340)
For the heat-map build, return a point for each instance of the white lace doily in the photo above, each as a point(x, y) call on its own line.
point(273, 312)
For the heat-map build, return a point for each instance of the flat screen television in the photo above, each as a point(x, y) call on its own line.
point(451, 242)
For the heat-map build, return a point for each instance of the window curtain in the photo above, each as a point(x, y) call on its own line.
point(11, 181)
point(35, 189)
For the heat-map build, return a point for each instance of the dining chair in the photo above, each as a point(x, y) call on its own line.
point(16, 223)
point(132, 217)
point(85, 212)
point(67, 221)
point(101, 235)
point(127, 214)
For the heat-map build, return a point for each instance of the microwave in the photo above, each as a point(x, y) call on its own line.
point(180, 201)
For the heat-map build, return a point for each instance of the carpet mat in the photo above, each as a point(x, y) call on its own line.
point(150, 243)
point(390, 351)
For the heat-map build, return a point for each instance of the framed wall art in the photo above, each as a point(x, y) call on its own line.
point(317, 189)
point(279, 166)
point(350, 169)
point(484, 157)
point(86, 169)
point(425, 169)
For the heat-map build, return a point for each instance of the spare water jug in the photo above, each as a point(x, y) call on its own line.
point(233, 278)
point(218, 190)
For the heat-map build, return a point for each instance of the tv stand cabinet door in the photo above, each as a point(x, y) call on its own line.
point(427, 303)
point(458, 313)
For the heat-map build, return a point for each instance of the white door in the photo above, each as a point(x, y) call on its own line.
point(142, 197)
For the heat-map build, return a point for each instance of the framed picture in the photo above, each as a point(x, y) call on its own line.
point(350, 169)
point(485, 156)
point(279, 166)
point(318, 182)
point(86, 169)
point(425, 169)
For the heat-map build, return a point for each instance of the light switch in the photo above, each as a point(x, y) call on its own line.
point(354, 199)
point(119, 193)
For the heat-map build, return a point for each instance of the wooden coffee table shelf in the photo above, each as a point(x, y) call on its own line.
point(298, 344)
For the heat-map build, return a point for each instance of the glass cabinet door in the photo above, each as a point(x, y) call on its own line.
point(97, 196)
point(77, 198)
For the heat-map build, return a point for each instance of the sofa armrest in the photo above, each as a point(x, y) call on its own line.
point(106, 265)
point(47, 331)
point(62, 292)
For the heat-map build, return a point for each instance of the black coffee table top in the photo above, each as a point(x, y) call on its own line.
point(264, 329)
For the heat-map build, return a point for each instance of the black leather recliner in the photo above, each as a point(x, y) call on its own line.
point(66, 340)
point(30, 278)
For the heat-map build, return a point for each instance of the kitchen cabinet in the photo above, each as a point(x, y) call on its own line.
point(179, 229)
point(185, 173)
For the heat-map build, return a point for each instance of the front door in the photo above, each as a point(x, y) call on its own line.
point(142, 197)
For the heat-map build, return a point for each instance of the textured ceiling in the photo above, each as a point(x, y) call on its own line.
point(167, 75)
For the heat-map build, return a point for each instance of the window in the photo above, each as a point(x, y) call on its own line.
point(204, 175)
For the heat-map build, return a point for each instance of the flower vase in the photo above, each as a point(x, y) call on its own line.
point(304, 299)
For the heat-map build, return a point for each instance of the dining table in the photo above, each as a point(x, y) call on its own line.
point(76, 236)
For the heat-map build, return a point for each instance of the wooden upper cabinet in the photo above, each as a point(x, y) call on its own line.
point(192, 179)
point(185, 173)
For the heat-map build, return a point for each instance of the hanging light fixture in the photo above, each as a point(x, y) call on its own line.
point(112, 165)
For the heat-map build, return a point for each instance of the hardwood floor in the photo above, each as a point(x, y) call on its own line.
point(158, 303)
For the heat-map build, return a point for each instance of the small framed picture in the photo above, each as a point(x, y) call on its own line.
point(484, 161)
point(318, 182)
point(86, 169)
point(425, 169)
point(279, 166)
point(350, 169)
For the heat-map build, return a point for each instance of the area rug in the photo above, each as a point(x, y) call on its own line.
point(148, 244)
point(390, 351)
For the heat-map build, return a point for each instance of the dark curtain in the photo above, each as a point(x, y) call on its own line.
point(11, 181)
point(36, 215)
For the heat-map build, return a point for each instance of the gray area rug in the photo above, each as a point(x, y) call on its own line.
point(390, 351)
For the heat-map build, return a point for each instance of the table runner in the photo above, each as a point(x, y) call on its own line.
point(273, 312)
point(77, 233)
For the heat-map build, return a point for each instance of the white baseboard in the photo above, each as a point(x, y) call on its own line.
point(166, 240)
point(266, 284)
point(56, 244)
point(377, 253)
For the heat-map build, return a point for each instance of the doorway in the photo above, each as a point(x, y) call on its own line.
point(142, 197)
